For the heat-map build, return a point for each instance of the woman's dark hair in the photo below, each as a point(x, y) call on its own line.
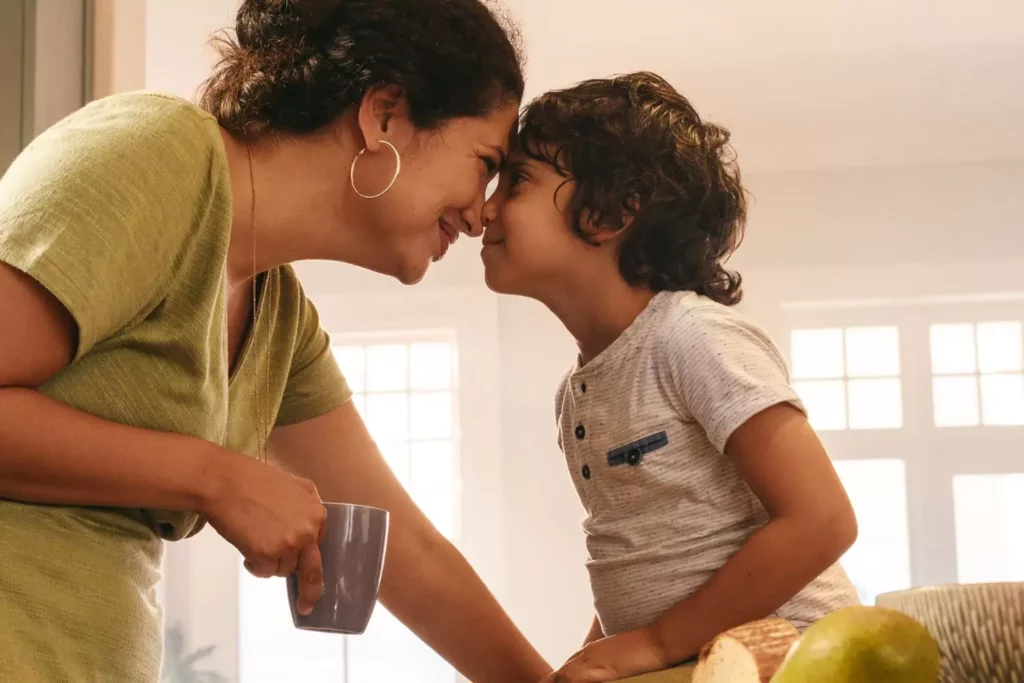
point(297, 65)
point(642, 159)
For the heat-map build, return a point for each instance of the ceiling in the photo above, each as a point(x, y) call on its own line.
point(809, 84)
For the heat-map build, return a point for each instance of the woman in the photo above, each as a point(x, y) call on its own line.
point(155, 345)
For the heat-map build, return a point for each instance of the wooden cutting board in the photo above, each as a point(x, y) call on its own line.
point(681, 675)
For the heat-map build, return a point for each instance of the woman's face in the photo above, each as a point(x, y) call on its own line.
point(438, 192)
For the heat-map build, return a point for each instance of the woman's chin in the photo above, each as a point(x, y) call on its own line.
point(412, 273)
point(407, 268)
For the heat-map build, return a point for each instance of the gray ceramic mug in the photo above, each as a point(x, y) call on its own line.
point(352, 549)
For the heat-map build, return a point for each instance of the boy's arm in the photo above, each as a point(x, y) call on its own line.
point(733, 380)
point(811, 526)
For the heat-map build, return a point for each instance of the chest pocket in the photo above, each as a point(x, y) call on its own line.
point(632, 454)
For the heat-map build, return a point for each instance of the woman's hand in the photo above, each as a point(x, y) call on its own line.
point(274, 519)
point(613, 658)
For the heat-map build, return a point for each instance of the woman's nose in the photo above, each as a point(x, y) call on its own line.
point(472, 223)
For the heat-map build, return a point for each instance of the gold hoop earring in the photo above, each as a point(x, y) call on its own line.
point(398, 169)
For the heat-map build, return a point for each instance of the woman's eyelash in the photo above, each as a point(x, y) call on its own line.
point(490, 164)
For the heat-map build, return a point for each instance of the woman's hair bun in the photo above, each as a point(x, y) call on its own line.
point(295, 66)
point(262, 23)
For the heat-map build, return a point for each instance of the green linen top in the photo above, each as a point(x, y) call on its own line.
point(123, 212)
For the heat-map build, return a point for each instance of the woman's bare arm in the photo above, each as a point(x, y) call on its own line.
point(427, 583)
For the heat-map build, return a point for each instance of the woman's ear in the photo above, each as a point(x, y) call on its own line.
point(384, 115)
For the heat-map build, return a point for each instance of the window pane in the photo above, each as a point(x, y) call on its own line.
point(876, 404)
point(387, 416)
point(1000, 347)
point(825, 403)
point(879, 561)
point(387, 367)
point(1002, 399)
point(989, 527)
point(352, 361)
point(955, 401)
point(430, 366)
point(433, 466)
point(431, 416)
point(439, 507)
point(817, 354)
point(270, 649)
point(872, 352)
point(953, 349)
point(397, 457)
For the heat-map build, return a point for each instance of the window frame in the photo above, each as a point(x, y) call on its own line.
point(933, 455)
point(408, 339)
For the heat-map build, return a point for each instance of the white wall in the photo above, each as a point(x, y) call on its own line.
point(119, 47)
point(178, 54)
point(838, 234)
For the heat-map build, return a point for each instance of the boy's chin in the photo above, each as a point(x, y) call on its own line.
point(501, 283)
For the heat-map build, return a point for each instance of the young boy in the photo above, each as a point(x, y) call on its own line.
point(710, 501)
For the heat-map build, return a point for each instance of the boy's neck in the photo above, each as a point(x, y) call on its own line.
point(596, 316)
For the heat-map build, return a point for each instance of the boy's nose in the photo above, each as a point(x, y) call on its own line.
point(489, 212)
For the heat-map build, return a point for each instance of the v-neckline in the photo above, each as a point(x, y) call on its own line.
point(250, 336)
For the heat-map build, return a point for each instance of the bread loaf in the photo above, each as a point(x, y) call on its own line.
point(751, 653)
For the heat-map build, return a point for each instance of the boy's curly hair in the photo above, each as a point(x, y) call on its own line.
point(642, 159)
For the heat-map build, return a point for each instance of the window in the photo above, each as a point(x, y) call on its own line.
point(978, 374)
point(849, 378)
point(934, 504)
point(406, 390)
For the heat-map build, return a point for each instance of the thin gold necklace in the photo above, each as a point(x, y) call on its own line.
point(262, 411)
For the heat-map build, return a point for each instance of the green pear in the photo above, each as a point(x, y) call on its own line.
point(863, 645)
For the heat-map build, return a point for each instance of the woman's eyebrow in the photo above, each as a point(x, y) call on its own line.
point(502, 156)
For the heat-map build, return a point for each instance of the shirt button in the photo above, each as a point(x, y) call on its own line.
point(580, 432)
point(586, 471)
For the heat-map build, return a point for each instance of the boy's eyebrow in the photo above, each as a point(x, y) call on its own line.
point(518, 160)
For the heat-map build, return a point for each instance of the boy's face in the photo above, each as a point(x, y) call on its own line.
point(529, 248)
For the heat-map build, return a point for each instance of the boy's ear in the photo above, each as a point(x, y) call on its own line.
point(601, 232)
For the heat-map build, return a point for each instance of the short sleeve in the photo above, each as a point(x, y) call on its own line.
point(99, 208)
point(726, 370)
point(315, 383)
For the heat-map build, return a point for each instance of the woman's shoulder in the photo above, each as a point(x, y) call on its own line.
point(170, 130)
point(145, 106)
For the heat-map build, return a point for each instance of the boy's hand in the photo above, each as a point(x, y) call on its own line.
point(613, 658)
